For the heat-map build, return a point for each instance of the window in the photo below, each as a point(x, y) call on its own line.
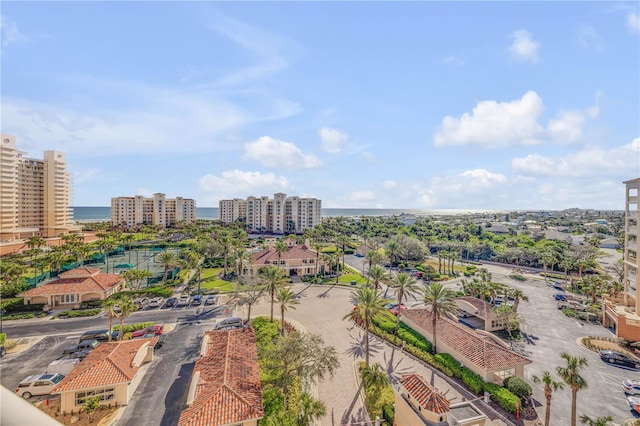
point(106, 394)
point(68, 298)
point(505, 373)
point(282, 262)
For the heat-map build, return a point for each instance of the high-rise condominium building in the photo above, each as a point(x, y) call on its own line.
point(622, 313)
point(279, 215)
point(35, 195)
point(129, 212)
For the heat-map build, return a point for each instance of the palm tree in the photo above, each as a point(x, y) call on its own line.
point(570, 374)
point(286, 299)
point(405, 286)
point(375, 379)
point(369, 303)
point(392, 249)
point(273, 279)
point(127, 307)
point(550, 386)
point(109, 306)
point(317, 247)
point(517, 295)
point(169, 260)
point(598, 421)
point(373, 257)
point(280, 248)
point(343, 240)
point(377, 274)
point(310, 409)
point(440, 301)
point(242, 260)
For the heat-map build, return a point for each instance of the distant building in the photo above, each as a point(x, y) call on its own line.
point(279, 215)
point(35, 195)
point(296, 261)
point(622, 313)
point(129, 212)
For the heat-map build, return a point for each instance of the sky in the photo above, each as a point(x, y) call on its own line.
point(421, 105)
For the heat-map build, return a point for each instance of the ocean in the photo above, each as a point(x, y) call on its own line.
point(102, 214)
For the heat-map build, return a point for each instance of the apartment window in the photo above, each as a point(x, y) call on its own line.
point(106, 394)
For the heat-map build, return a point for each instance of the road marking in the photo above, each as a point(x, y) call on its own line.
point(73, 337)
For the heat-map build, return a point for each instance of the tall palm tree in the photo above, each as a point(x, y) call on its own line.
point(242, 260)
point(343, 241)
point(126, 307)
point(310, 409)
point(405, 286)
point(570, 374)
point(550, 386)
point(392, 248)
point(225, 241)
point(375, 379)
point(518, 296)
point(373, 257)
point(109, 306)
point(280, 248)
point(169, 260)
point(377, 274)
point(273, 279)
point(440, 301)
point(286, 298)
point(317, 247)
point(368, 303)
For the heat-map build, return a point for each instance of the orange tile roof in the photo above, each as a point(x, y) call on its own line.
point(80, 273)
point(76, 283)
point(229, 390)
point(108, 364)
point(484, 353)
point(293, 253)
point(428, 397)
point(483, 309)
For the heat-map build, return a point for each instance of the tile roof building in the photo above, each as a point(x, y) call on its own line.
point(225, 386)
point(480, 313)
point(296, 261)
point(74, 287)
point(481, 354)
point(111, 371)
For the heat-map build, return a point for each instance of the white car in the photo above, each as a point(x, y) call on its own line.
point(631, 387)
point(156, 302)
point(634, 403)
point(184, 300)
point(40, 384)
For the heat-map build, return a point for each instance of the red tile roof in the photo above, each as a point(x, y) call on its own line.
point(482, 352)
point(77, 282)
point(428, 397)
point(229, 389)
point(483, 309)
point(108, 364)
point(293, 253)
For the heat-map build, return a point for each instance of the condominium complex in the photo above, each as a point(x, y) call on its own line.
point(129, 212)
point(623, 313)
point(35, 195)
point(279, 215)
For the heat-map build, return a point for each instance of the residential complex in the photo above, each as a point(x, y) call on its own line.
point(623, 313)
point(129, 212)
point(35, 195)
point(279, 215)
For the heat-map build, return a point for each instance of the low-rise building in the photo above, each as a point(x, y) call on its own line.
point(480, 313)
point(296, 261)
point(111, 372)
point(225, 386)
point(74, 287)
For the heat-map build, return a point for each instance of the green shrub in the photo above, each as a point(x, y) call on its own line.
point(130, 328)
point(518, 387)
point(503, 397)
point(22, 315)
point(16, 305)
point(388, 413)
point(78, 313)
point(3, 338)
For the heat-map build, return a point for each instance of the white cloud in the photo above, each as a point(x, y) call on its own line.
point(10, 33)
point(615, 162)
point(483, 178)
point(275, 153)
point(524, 47)
point(388, 184)
point(358, 196)
point(633, 22)
point(240, 184)
point(589, 38)
point(333, 140)
point(453, 60)
point(495, 124)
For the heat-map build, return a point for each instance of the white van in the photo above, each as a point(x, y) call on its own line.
point(40, 384)
point(63, 366)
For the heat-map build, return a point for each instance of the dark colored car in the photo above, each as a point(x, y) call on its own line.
point(230, 324)
point(85, 345)
point(620, 359)
point(171, 302)
point(76, 355)
point(560, 297)
point(99, 335)
point(197, 300)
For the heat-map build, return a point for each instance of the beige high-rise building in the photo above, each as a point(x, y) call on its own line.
point(622, 313)
point(279, 215)
point(129, 212)
point(35, 195)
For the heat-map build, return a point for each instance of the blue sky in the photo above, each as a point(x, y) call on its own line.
point(482, 105)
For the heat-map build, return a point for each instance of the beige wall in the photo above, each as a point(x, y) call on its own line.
point(68, 399)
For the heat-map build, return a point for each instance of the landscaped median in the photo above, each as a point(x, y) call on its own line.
point(384, 325)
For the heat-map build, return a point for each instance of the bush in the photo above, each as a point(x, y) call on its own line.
point(518, 387)
point(22, 315)
point(503, 397)
point(78, 313)
point(388, 413)
point(3, 338)
point(16, 305)
point(130, 328)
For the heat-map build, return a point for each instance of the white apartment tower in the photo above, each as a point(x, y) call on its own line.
point(279, 215)
point(35, 195)
point(129, 212)
point(632, 245)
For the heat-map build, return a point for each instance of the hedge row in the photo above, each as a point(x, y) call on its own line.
point(16, 305)
point(78, 313)
point(129, 328)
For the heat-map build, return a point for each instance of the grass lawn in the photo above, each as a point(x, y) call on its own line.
point(211, 282)
point(352, 276)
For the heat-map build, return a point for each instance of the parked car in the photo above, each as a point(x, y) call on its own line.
point(99, 335)
point(230, 323)
point(3, 351)
point(160, 343)
point(153, 330)
point(184, 300)
point(210, 300)
point(171, 302)
point(76, 355)
point(156, 302)
point(39, 384)
point(557, 286)
point(63, 366)
point(141, 302)
point(393, 308)
point(634, 403)
point(197, 300)
point(561, 297)
point(618, 358)
point(632, 387)
point(85, 345)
